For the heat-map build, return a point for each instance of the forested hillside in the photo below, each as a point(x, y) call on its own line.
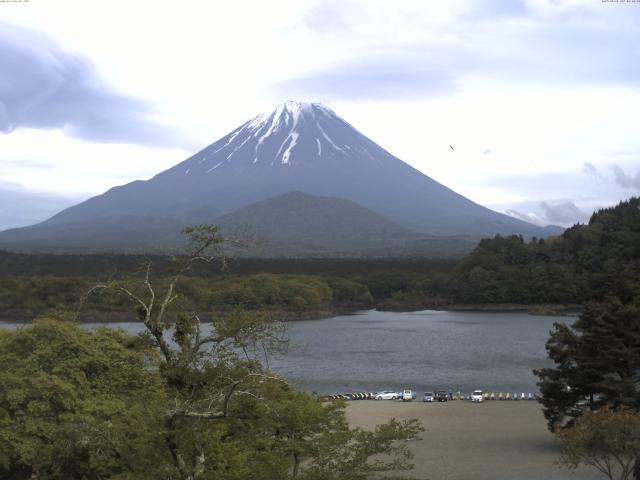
point(32, 284)
point(585, 263)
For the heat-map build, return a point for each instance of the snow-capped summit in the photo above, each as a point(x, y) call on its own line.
point(297, 147)
point(292, 133)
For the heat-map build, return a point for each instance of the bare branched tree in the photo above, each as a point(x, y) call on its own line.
point(205, 368)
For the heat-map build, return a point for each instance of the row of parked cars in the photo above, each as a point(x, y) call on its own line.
point(476, 396)
point(407, 395)
point(444, 396)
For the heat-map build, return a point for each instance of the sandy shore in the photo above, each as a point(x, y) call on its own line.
point(489, 441)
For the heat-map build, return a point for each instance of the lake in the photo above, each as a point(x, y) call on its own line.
point(426, 350)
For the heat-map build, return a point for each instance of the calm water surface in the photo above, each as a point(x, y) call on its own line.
point(427, 350)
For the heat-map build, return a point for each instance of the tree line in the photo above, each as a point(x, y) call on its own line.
point(591, 396)
point(586, 263)
point(177, 401)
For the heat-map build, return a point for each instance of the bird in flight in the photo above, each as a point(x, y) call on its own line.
point(450, 147)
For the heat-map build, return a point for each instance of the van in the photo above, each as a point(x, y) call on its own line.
point(407, 395)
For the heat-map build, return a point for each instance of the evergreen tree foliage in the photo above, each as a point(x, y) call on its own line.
point(587, 263)
point(597, 360)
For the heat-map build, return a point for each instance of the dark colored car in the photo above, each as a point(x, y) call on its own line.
point(442, 396)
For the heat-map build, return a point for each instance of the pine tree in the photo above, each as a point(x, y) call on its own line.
point(597, 361)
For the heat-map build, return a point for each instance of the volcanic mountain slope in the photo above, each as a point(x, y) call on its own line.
point(298, 224)
point(290, 225)
point(298, 214)
point(297, 147)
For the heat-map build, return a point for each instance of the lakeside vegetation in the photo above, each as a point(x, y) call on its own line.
point(176, 403)
point(32, 285)
point(173, 402)
point(586, 263)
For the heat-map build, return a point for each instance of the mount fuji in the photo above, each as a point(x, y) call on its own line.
point(298, 147)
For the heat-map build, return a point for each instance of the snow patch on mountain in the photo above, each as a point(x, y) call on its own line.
point(214, 167)
point(292, 134)
point(328, 139)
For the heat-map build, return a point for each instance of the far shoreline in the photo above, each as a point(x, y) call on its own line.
point(532, 309)
point(96, 316)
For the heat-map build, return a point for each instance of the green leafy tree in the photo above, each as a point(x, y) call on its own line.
point(342, 453)
point(606, 439)
point(180, 401)
point(78, 405)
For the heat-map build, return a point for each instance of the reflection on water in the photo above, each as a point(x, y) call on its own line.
point(494, 351)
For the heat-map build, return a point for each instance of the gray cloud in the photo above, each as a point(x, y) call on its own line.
point(624, 179)
point(570, 48)
point(20, 207)
point(581, 194)
point(401, 74)
point(330, 16)
point(564, 213)
point(36, 164)
point(543, 185)
point(490, 9)
point(590, 169)
point(45, 87)
point(620, 176)
point(581, 54)
point(527, 217)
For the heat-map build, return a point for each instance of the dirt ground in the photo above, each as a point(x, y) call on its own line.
point(493, 440)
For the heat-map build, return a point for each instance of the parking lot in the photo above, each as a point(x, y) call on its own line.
point(492, 440)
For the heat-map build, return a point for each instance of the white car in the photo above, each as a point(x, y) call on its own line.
point(477, 396)
point(386, 395)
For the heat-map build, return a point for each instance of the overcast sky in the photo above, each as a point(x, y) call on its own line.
point(539, 98)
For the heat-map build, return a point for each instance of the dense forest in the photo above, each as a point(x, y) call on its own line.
point(585, 263)
point(33, 284)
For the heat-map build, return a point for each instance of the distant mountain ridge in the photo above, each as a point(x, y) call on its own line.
point(298, 147)
point(289, 225)
point(296, 213)
point(297, 224)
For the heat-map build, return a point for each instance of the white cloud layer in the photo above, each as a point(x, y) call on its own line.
point(540, 98)
point(46, 87)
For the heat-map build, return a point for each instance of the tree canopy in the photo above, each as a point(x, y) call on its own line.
point(606, 439)
point(597, 359)
point(77, 404)
point(586, 263)
point(176, 402)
